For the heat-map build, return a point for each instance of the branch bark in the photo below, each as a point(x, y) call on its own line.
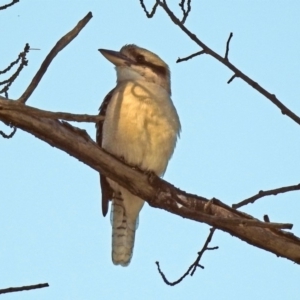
point(157, 192)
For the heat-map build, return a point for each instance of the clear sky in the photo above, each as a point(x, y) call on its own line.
point(234, 142)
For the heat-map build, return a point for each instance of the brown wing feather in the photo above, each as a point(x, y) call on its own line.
point(105, 187)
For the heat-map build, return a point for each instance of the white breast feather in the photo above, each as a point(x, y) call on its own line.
point(141, 125)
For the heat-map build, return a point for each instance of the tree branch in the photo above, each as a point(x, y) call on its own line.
point(23, 288)
point(10, 135)
point(32, 111)
point(193, 267)
point(186, 11)
point(157, 192)
point(63, 42)
point(151, 14)
point(8, 5)
point(190, 56)
point(236, 71)
point(227, 46)
point(261, 194)
point(23, 63)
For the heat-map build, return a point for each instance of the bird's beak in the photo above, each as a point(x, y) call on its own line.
point(117, 58)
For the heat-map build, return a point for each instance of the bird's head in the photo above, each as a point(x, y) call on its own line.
point(135, 63)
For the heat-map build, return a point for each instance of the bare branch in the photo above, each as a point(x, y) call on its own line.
point(190, 56)
point(8, 5)
point(227, 46)
point(194, 265)
point(8, 82)
point(237, 72)
point(185, 11)
point(157, 192)
point(204, 248)
point(261, 194)
point(24, 288)
point(231, 78)
point(63, 42)
point(151, 14)
point(22, 54)
point(8, 136)
point(48, 114)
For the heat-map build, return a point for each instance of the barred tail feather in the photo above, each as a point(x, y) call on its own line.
point(123, 234)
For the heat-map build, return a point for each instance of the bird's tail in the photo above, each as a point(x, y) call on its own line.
point(124, 224)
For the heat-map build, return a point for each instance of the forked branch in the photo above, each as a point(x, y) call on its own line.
point(193, 267)
point(224, 60)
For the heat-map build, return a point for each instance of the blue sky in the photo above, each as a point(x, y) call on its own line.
point(234, 142)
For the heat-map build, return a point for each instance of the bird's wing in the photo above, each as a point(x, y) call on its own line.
point(107, 192)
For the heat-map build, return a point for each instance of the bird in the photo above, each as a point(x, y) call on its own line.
point(141, 127)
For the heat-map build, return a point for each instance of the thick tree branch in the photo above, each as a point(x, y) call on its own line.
point(63, 42)
point(225, 61)
point(157, 192)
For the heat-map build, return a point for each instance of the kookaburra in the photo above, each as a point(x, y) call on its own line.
point(140, 127)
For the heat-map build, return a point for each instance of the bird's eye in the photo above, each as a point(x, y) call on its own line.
point(140, 58)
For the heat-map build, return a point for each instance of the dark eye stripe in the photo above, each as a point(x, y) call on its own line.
point(160, 70)
point(140, 59)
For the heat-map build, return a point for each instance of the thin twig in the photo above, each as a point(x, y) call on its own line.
point(24, 288)
point(20, 56)
point(231, 78)
point(237, 72)
point(8, 5)
point(62, 43)
point(192, 268)
point(185, 11)
point(8, 82)
point(261, 194)
point(8, 136)
point(151, 14)
point(227, 46)
point(190, 56)
point(204, 248)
